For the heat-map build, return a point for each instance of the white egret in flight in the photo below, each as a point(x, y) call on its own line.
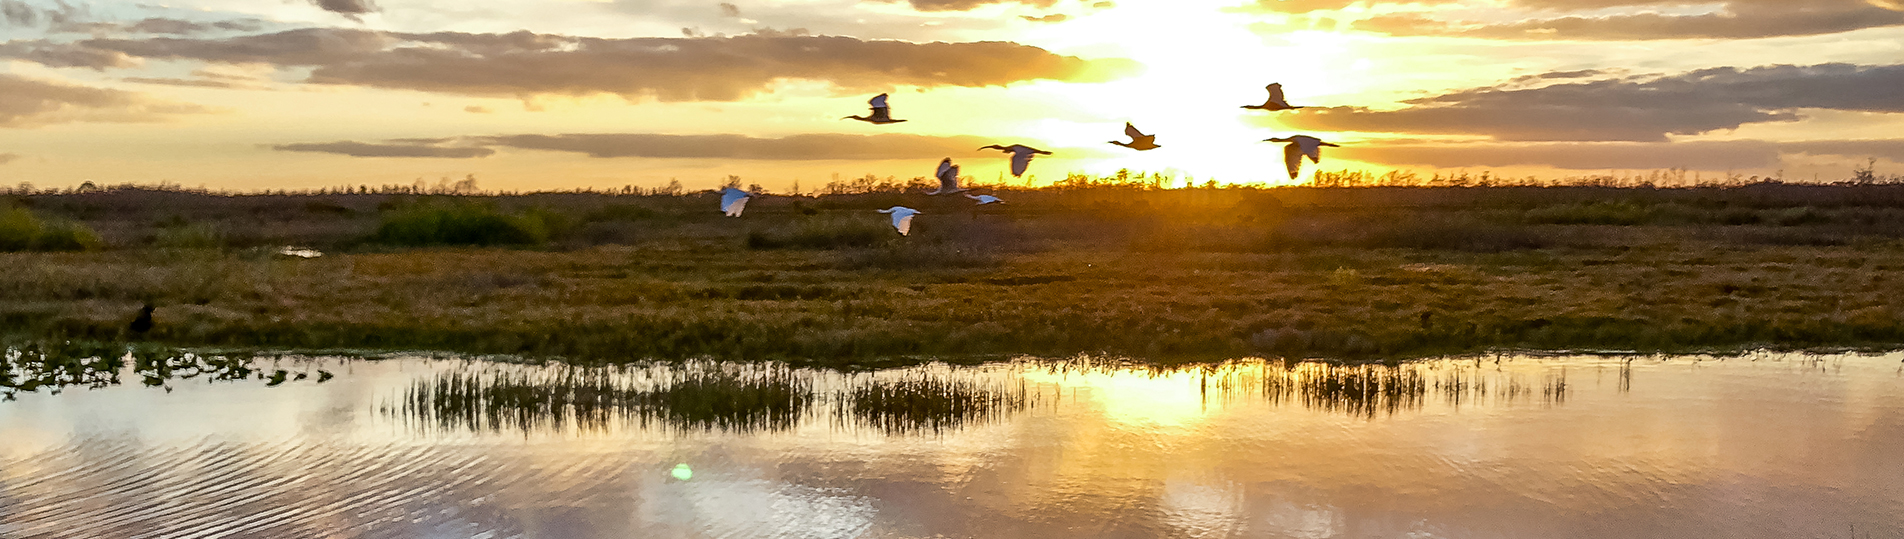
point(1298, 146)
point(985, 199)
point(1139, 140)
point(882, 114)
point(902, 218)
point(733, 201)
point(1021, 156)
point(1276, 101)
point(948, 179)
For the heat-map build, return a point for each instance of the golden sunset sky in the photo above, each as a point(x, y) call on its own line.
point(296, 94)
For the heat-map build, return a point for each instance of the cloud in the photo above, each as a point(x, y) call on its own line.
point(396, 148)
point(19, 14)
point(795, 147)
point(1705, 155)
point(808, 147)
point(354, 9)
point(1620, 19)
point(968, 5)
point(522, 63)
point(1892, 149)
point(1055, 17)
point(194, 83)
point(730, 10)
point(28, 102)
point(9, 158)
point(1632, 108)
point(478, 109)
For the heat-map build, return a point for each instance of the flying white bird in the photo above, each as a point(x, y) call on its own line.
point(1276, 101)
point(1298, 146)
point(902, 218)
point(882, 114)
point(1139, 140)
point(948, 179)
point(733, 201)
point(1021, 156)
point(984, 199)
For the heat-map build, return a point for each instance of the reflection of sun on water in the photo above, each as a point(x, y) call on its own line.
point(1133, 398)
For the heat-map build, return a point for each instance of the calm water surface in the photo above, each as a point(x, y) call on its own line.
point(1758, 446)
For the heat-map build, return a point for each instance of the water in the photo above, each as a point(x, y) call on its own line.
point(1758, 446)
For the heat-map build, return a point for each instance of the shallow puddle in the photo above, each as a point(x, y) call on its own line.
point(1764, 445)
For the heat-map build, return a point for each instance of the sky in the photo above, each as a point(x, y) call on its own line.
point(250, 95)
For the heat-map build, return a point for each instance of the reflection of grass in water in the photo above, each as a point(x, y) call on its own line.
point(56, 365)
point(926, 403)
point(593, 398)
point(1369, 389)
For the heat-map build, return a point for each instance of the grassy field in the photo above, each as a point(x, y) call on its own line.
point(1163, 275)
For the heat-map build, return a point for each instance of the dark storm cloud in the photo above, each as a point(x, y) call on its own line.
point(1576, 156)
point(795, 147)
point(19, 14)
point(354, 9)
point(671, 69)
point(398, 148)
point(28, 102)
point(1633, 108)
point(1587, 20)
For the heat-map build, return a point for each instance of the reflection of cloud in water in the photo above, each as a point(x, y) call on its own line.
point(722, 505)
point(1199, 510)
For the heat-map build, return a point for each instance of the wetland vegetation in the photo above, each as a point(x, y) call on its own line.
point(1108, 266)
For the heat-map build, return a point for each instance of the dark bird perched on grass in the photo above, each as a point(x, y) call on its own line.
point(1275, 102)
point(143, 323)
point(882, 114)
point(1021, 156)
point(1139, 140)
point(1300, 145)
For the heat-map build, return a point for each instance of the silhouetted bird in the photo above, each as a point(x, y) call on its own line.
point(985, 199)
point(733, 201)
point(143, 323)
point(1275, 102)
point(1139, 140)
point(1300, 145)
point(948, 175)
point(1021, 156)
point(882, 114)
point(901, 218)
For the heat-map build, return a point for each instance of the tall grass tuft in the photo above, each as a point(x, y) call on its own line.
point(823, 233)
point(20, 230)
point(925, 403)
point(461, 224)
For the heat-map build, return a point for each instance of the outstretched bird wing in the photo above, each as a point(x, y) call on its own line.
point(1132, 132)
point(878, 101)
point(733, 201)
point(903, 223)
point(1311, 146)
point(1276, 95)
point(1020, 161)
point(1292, 157)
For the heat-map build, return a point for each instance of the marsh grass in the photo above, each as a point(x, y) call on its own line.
point(54, 366)
point(21, 230)
point(703, 398)
point(461, 224)
point(1170, 275)
point(928, 403)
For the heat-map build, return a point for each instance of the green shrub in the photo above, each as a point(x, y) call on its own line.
point(20, 230)
point(191, 236)
point(460, 224)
